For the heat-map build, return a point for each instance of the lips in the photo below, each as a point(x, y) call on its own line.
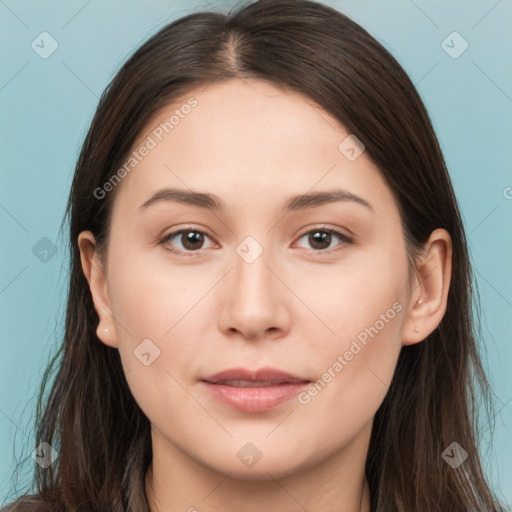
point(241, 377)
point(253, 391)
point(250, 384)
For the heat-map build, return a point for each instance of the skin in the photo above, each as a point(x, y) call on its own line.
point(253, 145)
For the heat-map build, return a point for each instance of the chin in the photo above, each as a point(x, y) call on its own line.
point(269, 467)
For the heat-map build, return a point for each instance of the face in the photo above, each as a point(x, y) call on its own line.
point(314, 288)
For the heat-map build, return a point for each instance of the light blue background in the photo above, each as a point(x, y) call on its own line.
point(47, 105)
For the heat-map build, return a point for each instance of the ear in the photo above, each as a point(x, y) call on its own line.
point(429, 288)
point(96, 277)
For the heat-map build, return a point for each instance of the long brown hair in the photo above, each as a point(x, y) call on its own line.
point(90, 416)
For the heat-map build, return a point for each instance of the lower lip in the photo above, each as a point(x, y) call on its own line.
point(254, 399)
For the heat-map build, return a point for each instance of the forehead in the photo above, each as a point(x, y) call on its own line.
point(244, 139)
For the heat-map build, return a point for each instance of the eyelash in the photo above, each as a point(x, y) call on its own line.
point(321, 229)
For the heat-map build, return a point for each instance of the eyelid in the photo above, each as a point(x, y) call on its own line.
point(345, 239)
point(164, 239)
point(326, 227)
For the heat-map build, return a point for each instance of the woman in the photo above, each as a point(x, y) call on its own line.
point(270, 293)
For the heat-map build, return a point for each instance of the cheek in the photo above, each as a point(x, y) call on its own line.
point(152, 308)
point(149, 295)
point(350, 297)
point(151, 303)
point(356, 365)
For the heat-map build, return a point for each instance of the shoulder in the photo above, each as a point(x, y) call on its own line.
point(27, 503)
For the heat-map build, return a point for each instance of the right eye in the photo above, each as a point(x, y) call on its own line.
point(191, 240)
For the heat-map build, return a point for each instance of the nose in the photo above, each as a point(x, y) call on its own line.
point(255, 304)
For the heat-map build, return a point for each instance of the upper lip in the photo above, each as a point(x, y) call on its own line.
point(261, 375)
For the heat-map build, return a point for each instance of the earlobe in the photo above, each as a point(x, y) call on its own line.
point(96, 277)
point(429, 289)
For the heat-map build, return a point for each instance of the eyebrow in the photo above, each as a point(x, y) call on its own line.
point(212, 202)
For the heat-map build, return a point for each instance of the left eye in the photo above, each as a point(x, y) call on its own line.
point(320, 237)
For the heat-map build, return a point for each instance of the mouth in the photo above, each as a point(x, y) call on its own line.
point(252, 384)
point(253, 391)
